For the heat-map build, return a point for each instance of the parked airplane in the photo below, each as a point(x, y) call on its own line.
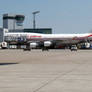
point(48, 39)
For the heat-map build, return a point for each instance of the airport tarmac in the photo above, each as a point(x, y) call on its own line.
point(47, 71)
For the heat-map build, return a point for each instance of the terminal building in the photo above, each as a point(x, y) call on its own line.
point(31, 30)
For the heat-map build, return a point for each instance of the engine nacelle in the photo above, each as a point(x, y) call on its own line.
point(4, 45)
point(47, 43)
point(33, 45)
point(87, 45)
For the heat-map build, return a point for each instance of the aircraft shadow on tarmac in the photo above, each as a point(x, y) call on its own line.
point(7, 63)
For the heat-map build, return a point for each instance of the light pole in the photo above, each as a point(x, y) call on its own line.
point(34, 22)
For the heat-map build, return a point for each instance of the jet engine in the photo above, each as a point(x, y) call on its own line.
point(47, 43)
point(4, 45)
point(33, 45)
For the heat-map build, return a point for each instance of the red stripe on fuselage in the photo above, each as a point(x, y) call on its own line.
point(80, 38)
point(89, 35)
point(33, 36)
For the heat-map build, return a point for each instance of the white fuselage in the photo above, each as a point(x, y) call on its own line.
point(51, 37)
